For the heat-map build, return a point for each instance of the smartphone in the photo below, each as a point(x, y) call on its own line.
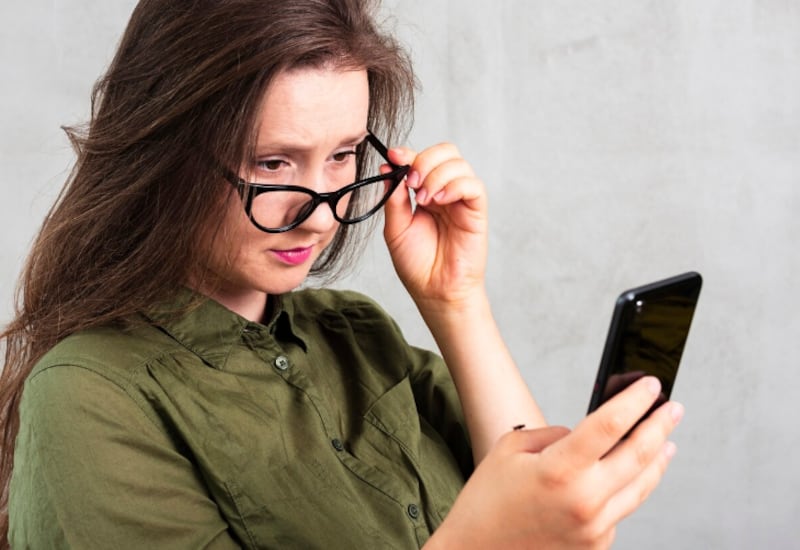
point(648, 332)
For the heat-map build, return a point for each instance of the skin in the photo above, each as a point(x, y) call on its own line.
point(543, 486)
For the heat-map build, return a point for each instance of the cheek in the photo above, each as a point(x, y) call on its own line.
point(342, 175)
point(227, 238)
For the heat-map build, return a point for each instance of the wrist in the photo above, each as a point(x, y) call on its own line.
point(456, 306)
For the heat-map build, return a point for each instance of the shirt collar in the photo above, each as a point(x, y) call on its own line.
point(208, 329)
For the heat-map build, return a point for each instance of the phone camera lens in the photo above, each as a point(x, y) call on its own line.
point(639, 305)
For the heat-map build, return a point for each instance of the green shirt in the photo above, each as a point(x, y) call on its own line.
point(320, 429)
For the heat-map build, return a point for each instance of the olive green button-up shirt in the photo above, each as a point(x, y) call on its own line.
point(320, 429)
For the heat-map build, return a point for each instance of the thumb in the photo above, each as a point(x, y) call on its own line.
point(398, 213)
point(533, 441)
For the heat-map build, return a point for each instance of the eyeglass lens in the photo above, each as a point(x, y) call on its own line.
point(279, 209)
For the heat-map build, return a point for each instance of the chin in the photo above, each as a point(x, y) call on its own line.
point(285, 285)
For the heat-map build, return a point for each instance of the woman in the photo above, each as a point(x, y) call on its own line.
point(167, 385)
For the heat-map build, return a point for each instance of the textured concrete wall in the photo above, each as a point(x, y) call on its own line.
point(621, 141)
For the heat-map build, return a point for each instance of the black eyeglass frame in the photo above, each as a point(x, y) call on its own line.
point(249, 191)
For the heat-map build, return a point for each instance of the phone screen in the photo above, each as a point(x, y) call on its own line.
point(647, 336)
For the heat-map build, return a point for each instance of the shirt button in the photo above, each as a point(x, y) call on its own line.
point(281, 362)
point(338, 445)
point(413, 511)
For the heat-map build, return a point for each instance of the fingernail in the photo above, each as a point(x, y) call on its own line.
point(653, 385)
point(396, 154)
point(439, 196)
point(676, 412)
point(422, 194)
point(412, 179)
point(670, 449)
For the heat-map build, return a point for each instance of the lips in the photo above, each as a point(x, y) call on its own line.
point(294, 256)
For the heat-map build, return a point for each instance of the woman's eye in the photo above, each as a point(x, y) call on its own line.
point(271, 165)
point(342, 156)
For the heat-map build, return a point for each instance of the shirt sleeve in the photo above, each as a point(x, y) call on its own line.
point(91, 470)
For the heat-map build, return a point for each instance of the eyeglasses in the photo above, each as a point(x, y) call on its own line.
point(280, 208)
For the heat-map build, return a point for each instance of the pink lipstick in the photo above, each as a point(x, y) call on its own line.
point(294, 256)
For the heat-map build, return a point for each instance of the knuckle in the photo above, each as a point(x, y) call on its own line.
point(591, 535)
point(450, 147)
point(643, 493)
point(651, 481)
point(643, 451)
point(604, 540)
point(613, 425)
point(554, 475)
point(507, 441)
point(584, 512)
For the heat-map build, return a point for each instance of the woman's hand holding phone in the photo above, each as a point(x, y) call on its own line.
point(555, 488)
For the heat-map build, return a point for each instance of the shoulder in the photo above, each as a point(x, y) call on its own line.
point(329, 305)
point(354, 325)
point(84, 385)
point(111, 352)
point(347, 320)
point(320, 300)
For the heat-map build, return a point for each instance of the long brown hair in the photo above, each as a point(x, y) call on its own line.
point(185, 86)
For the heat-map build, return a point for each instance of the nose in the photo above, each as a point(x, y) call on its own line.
point(321, 219)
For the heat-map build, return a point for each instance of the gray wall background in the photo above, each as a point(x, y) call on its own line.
point(621, 142)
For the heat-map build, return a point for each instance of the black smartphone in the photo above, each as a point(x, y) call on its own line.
point(648, 332)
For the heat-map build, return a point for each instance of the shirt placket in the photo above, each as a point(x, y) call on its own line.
point(289, 362)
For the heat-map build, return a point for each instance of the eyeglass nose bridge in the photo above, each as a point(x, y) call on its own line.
point(331, 199)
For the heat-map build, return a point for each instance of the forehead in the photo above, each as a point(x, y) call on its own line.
point(311, 106)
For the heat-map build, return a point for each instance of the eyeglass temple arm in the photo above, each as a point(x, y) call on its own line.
point(381, 148)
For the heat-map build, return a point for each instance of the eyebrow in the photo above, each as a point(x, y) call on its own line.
point(289, 148)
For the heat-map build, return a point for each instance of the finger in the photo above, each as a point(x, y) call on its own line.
point(642, 447)
point(629, 498)
point(428, 158)
point(467, 189)
point(440, 176)
point(425, 162)
point(601, 430)
point(398, 213)
point(617, 382)
point(531, 441)
point(402, 155)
